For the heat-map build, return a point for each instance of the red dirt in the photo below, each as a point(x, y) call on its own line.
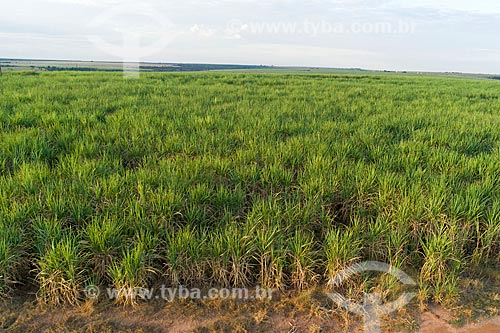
point(23, 315)
point(433, 323)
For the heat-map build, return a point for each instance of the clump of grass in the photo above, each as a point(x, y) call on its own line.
point(375, 238)
point(271, 256)
point(397, 255)
point(231, 256)
point(488, 237)
point(442, 264)
point(46, 232)
point(103, 241)
point(11, 257)
point(183, 253)
point(342, 248)
point(131, 274)
point(60, 272)
point(304, 261)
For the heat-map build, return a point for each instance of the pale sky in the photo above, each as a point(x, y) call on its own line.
point(439, 35)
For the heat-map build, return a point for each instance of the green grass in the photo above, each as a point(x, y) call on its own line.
point(238, 179)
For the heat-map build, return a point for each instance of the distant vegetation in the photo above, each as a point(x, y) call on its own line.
point(76, 69)
point(196, 67)
point(228, 179)
point(154, 68)
point(91, 66)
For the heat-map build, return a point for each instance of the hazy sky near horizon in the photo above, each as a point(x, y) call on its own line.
point(426, 35)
